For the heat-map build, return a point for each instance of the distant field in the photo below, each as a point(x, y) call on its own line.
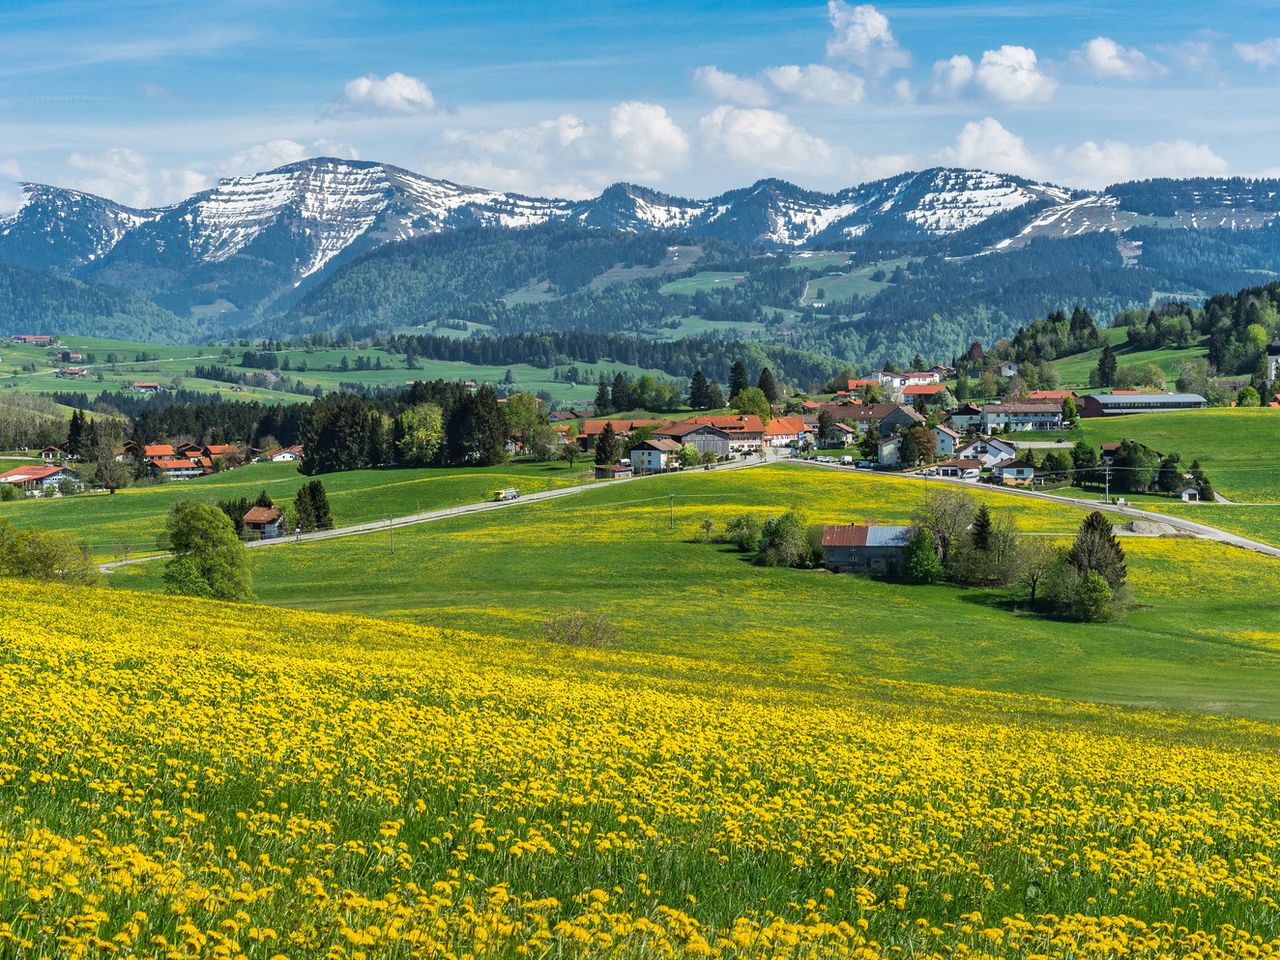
point(704, 280)
point(1076, 369)
point(322, 369)
point(129, 521)
point(1239, 448)
point(612, 550)
point(851, 283)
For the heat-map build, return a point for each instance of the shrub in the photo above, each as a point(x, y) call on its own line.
point(1093, 601)
point(923, 563)
point(784, 541)
point(577, 629)
point(744, 532)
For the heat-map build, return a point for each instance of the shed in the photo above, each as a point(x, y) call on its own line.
point(866, 548)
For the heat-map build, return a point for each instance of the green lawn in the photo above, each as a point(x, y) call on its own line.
point(1238, 448)
point(851, 283)
point(612, 550)
point(1076, 369)
point(703, 280)
point(128, 522)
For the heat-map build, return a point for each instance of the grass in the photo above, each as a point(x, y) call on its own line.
point(187, 778)
point(128, 522)
point(702, 280)
point(851, 283)
point(1076, 369)
point(1239, 448)
point(611, 550)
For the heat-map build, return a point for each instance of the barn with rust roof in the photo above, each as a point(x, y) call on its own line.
point(866, 548)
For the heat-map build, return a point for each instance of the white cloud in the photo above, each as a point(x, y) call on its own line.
point(764, 140)
point(816, 83)
point(905, 90)
point(862, 36)
point(396, 94)
point(10, 191)
point(1103, 57)
point(1010, 74)
point(987, 145)
point(1115, 160)
point(126, 176)
point(729, 87)
point(278, 152)
point(644, 136)
point(1264, 53)
point(568, 156)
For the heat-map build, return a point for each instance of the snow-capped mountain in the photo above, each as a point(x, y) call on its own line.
point(251, 244)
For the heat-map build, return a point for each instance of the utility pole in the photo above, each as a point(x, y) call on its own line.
point(1106, 473)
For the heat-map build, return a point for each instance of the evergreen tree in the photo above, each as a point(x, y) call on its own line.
point(608, 446)
point(715, 397)
point(1107, 366)
point(698, 391)
point(1096, 549)
point(77, 434)
point(602, 404)
point(620, 398)
point(826, 426)
point(981, 531)
point(962, 386)
point(738, 379)
point(769, 386)
point(264, 500)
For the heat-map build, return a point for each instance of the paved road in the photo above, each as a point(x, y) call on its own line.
point(395, 523)
point(1202, 530)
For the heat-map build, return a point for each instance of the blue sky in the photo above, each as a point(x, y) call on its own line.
point(147, 101)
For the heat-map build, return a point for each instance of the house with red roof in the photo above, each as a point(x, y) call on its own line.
point(38, 481)
point(263, 522)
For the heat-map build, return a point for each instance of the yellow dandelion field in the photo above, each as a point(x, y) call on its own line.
point(189, 779)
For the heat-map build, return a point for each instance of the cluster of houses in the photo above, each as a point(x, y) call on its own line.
point(722, 437)
point(187, 460)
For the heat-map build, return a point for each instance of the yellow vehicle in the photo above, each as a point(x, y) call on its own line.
point(510, 493)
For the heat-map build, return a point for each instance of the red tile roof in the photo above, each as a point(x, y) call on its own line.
point(262, 515)
point(923, 389)
point(1050, 394)
point(785, 426)
point(28, 474)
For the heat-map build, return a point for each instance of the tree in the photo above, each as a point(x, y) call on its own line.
point(336, 434)
point(923, 565)
point(570, 453)
point(1070, 411)
point(1169, 476)
point(521, 413)
point(112, 474)
point(981, 531)
point(752, 400)
point(208, 557)
point(1248, 397)
point(869, 443)
point(620, 396)
point(311, 507)
point(744, 532)
point(1204, 489)
point(715, 396)
point(1097, 550)
point(826, 427)
point(947, 514)
point(36, 554)
point(476, 434)
point(418, 433)
point(769, 386)
point(1094, 598)
point(541, 440)
point(1106, 366)
point(909, 449)
point(698, 392)
point(784, 541)
point(738, 379)
point(1135, 465)
point(926, 442)
point(1035, 557)
point(608, 446)
point(603, 398)
point(962, 386)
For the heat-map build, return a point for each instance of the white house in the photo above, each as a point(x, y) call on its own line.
point(947, 439)
point(986, 450)
point(1021, 416)
point(890, 451)
point(654, 455)
point(37, 480)
point(1008, 368)
point(967, 416)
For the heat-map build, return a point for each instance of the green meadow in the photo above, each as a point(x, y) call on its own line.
point(1076, 369)
point(128, 522)
point(630, 550)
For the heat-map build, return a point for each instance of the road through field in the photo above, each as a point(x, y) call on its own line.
point(394, 523)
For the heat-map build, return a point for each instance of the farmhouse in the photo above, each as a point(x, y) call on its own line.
point(264, 522)
point(591, 429)
point(1119, 404)
point(51, 453)
point(706, 438)
point(787, 432)
point(925, 392)
point(746, 431)
point(37, 480)
point(174, 468)
point(654, 455)
point(1008, 368)
point(889, 453)
point(140, 386)
point(1021, 416)
point(33, 339)
point(283, 454)
point(866, 548)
